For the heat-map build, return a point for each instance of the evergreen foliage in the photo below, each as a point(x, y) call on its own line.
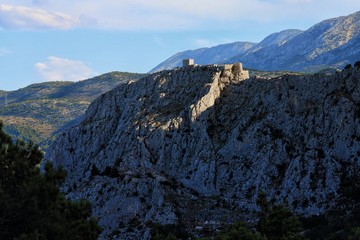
point(355, 234)
point(31, 204)
point(169, 232)
point(239, 231)
point(277, 222)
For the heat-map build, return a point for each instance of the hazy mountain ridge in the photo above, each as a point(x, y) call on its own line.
point(196, 145)
point(332, 43)
point(313, 49)
point(220, 53)
point(39, 111)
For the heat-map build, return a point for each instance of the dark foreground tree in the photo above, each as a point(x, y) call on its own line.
point(277, 222)
point(31, 204)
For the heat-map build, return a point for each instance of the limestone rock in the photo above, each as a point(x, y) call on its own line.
point(196, 145)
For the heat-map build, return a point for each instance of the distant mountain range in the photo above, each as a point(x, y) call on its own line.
point(332, 43)
point(38, 112)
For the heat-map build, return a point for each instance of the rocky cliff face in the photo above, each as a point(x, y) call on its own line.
point(196, 145)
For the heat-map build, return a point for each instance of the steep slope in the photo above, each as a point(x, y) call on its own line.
point(332, 43)
point(197, 145)
point(323, 45)
point(219, 54)
point(39, 111)
point(277, 39)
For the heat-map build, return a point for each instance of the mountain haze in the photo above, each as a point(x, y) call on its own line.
point(204, 56)
point(332, 43)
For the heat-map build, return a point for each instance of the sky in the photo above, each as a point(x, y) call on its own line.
point(67, 40)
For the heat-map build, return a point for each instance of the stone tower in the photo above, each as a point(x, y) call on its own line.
point(188, 62)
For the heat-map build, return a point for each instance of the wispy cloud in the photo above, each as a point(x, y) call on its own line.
point(163, 14)
point(4, 52)
point(19, 17)
point(62, 69)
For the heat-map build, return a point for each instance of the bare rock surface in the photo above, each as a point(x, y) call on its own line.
point(196, 145)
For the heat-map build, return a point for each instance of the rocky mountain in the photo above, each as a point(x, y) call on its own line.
point(332, 43)
point(195, 146)
point(38, 112)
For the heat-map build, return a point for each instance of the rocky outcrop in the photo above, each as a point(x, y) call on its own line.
point(196, 145)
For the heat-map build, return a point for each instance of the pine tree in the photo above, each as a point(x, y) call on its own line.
point(31, 204)
point(277, 222)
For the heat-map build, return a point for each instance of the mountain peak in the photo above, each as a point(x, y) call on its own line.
point(279, 38)
point(332, 43)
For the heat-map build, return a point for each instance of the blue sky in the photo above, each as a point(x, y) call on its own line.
point(59, 40)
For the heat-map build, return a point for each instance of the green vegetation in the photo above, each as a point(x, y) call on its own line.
point(169, 232)
point(31, 204)
point(239, 231)
point(355, 234)
point(271, 74)
point(275, 223)
point(38, 112)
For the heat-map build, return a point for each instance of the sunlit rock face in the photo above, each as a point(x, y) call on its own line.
point(198, 144)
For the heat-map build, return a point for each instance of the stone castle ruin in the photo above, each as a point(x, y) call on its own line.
point(188, 62)
point(236, 69)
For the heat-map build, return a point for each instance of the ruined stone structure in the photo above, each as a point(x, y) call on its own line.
point(236, 69)
point(188, 62)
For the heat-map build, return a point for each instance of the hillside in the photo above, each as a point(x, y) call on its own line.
point(38, 112)
point(195, 146)
point(332, 43)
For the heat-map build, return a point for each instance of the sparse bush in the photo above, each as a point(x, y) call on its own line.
point(277, 222)
point(357, 64)
point(169, 232)
point(348, 66)
point(355, 235)
point(239, 231)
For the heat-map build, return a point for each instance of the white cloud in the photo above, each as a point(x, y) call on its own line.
point(171, 15)
point(62, 69)
point(20, 17)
